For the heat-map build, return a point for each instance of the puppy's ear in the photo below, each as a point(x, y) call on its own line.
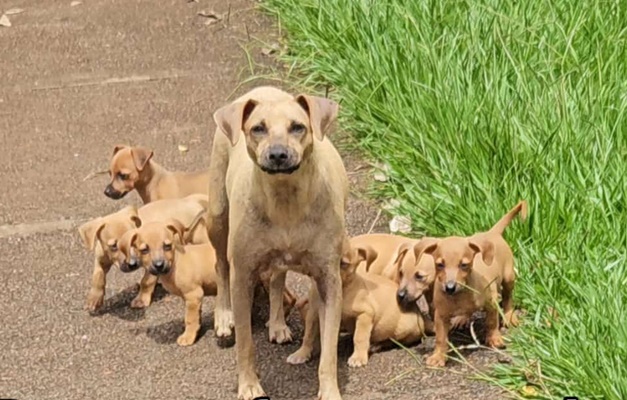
point(322, 112)
point(485, 247)
point(117, 148)
point(133, 240)
point(136, 220)
point(177, 228)
point(425, 246)
point(231, 118)
point(368, 254)
point(90, 231)
point(141, 156)
point(401, 252)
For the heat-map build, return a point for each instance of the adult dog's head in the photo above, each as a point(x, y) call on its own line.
point(279, 129)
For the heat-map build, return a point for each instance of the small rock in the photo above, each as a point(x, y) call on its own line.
point(4, 21)
point(400, 223)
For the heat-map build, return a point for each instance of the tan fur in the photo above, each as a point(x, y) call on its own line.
point(132, 168)
point(369, 311)
point(467, 275)
point(265, 213)
point(386, 246)
point(103, 236)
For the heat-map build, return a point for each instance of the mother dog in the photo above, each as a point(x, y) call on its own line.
point(277, 202)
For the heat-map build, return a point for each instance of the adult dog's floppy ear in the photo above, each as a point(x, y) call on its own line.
point(141, 156)
point(368, 254)
point(90, 231)
point(322, 112)
point(483, 246)
point(231, 118)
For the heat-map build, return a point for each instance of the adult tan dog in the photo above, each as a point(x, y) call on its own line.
point(278, 198)
point(466, 275)
point(133, 168)
point(102, 234)
point(369, 311)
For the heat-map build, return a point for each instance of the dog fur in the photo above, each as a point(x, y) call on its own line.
point(278, 198)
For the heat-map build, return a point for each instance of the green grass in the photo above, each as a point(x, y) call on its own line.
point(476, 104)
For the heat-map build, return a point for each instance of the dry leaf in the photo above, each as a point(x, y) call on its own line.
point(210, 14)
point(529, 391)
point(400, 223)
point(380, 176)
point(266, 51)
point(423, 305)
point(183, 148)
point(14, 11)
point(391, 204)
point(4, 21)
point(75, 3)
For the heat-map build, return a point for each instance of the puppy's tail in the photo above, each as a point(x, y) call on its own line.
point(500, 226)
point(199, 217)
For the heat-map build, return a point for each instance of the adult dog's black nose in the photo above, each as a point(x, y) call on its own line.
point(450, 287)
point(277, 154)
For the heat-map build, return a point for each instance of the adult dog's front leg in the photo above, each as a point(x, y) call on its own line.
point(279, 332)
point(223, 314)
point(330, 314)
point(241, 285)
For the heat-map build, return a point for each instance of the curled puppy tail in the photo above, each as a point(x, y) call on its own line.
point(500, 226)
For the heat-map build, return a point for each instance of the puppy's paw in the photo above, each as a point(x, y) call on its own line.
point(495, 340)
point(460, 322)
point(249, 391)
point(138, 302)
point(358, 360)
point(94, 302)
point(511, 320)
point(436, 360)
point(300, 356)
point(185, 340)
point(280, 334)
point(223, 322)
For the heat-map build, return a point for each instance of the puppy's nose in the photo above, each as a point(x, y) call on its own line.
point(108, 190)
point(277, 154)
point(158, 264)
point(401, 295)
point(450, 287)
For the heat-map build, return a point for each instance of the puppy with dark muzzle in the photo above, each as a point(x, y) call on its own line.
point(132, 168)
point(465, 275)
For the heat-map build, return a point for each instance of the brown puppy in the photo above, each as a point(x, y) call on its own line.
point(103, 234)
point(278, 198)
point(469, 275)
point(133, 168)
point(187, 271)
point(369, 311)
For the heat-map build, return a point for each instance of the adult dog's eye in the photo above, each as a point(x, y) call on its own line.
point(258, 129)
point(167, 246)
point(122, 176)
point(439, 265)
point(297, 128)
point(145, 250)
point(418, 276)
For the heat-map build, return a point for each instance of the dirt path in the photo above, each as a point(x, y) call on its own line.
point(76, 80)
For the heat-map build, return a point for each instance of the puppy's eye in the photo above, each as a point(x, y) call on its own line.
point(167, 246)
point(439, 265)
point(122, 176)
point(343, 264)
point(113, 247)
point(297, 128)
point(258, 129)
point(464, 265)
point(145, 250)
point(418, 276)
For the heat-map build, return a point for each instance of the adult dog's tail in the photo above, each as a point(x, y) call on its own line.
point(500, 226)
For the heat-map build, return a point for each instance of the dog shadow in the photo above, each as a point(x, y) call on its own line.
point(168, 332)
point(119, 305)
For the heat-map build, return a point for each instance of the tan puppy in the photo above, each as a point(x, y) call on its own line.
point(278, 198)
point(102, 235)
point(369, 311)
point(469, 274)
point(187, 271)
point(386, 246)
point(133, 168)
